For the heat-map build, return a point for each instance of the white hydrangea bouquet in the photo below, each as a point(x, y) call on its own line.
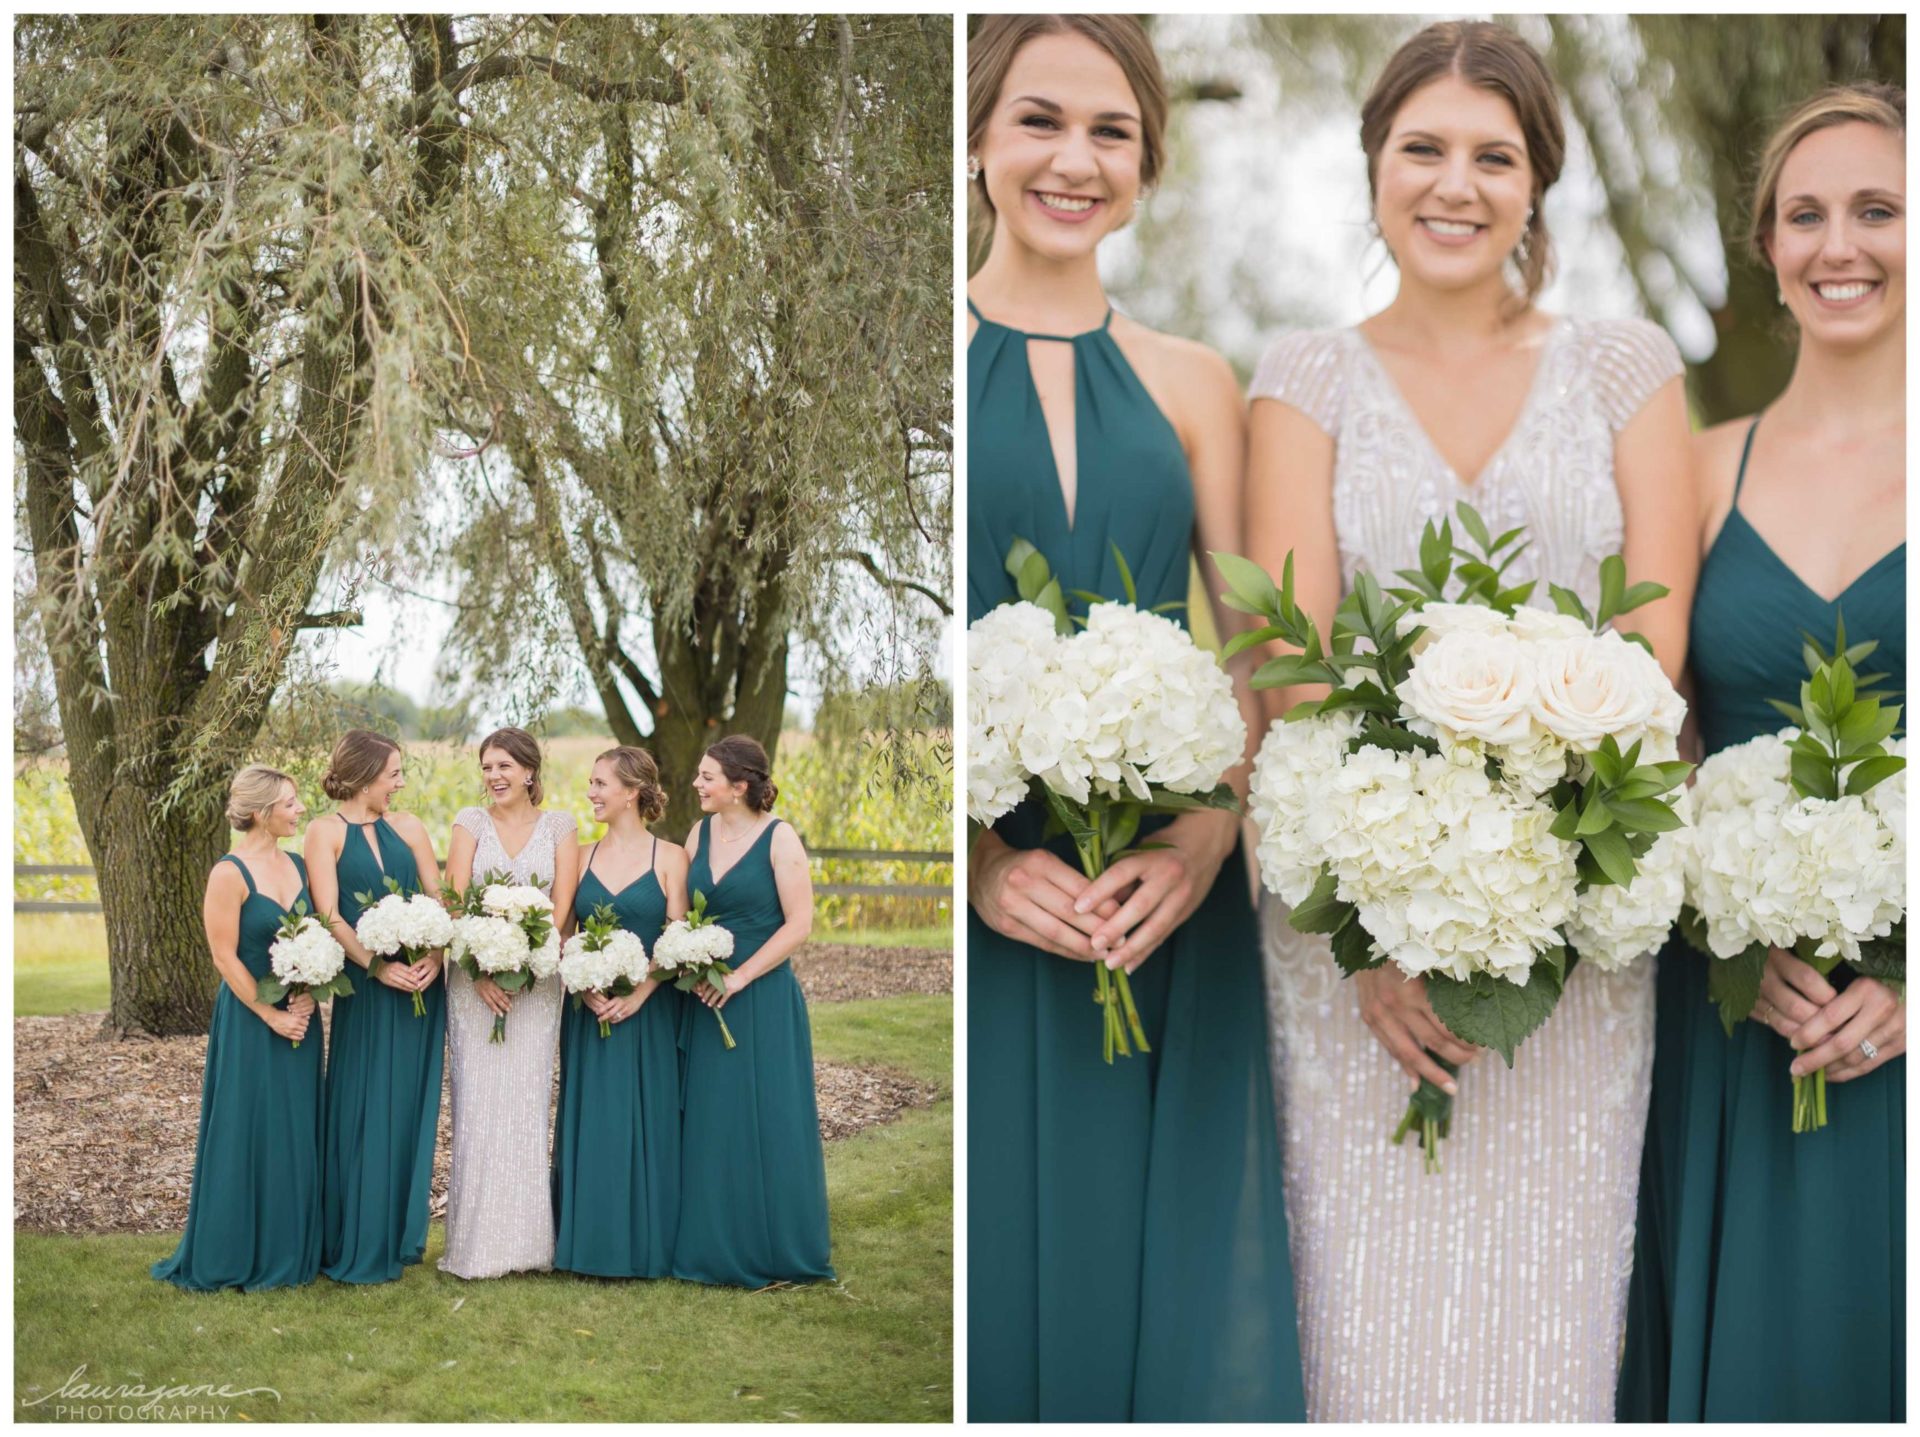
point(602, 958)
point(1124, 717)
point(694, 950)
point(1801, 843)
point(504, 931)
point(1480, 799)
point(304, 957)
point(402, 928)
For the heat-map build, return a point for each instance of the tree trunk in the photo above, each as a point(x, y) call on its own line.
point(150, 863)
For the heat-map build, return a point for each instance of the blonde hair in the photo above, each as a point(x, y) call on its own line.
point(1865, 104)
point(254, 790)
point(634, 768)
point(990, 53)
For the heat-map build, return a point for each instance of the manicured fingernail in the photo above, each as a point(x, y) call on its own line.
point(1797, 1069)
point(1452, 1089)
point(1114, 960)
point(1080, 905)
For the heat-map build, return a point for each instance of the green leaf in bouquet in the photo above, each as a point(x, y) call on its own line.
point(1321, 911)
point(1840, 677)
point(1241, 642)
point(1611, 853)
point(1172, 606)
point(1884, 958)
point(1812, 655)
point(1693, 928)
point(1865, 723)
point(1791, 713)
point(1595, 817)
point(1613, 588)
point(1289, 670)
point(1481, 580)
point(1353, 946)
point(1492, 1013)
point(1220, 799)
point(1507, 538)
point(1249, 587)
point(1566, 821)
point(366, 900)
point(1054, 602)
point(1072, 817)
point(1507, 600)
point(1436, 556)
point(1419, 586)
point(1471, 521)
point(1087, 596)
point(1607, 764)
point(1507, 562)
point(1019, 552)
point(1734, 984)
point(269, 990)
point(1119, 825)
point(1672, 773)
point(342, 985)
point(1375, 734)
point(1126, 575)
point(513, 981)
point(1870, 771)
point(1813, 775)
point(1642, 640)
point(1817, 694)
point(1305, 709)
point(1646, 815)
point(1568, 603)
point(1644, 592)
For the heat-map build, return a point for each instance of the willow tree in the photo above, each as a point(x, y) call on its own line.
point(242, 249)
point(724, 399)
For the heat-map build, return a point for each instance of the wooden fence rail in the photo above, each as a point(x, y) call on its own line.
point(824, 890)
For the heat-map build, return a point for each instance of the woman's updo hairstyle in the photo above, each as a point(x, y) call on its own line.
point(742, 760)
point(1866, 104)
point(990, 52)
point(254, 790)
point(634, 768)
point(520, 746)
point(1493, 58)
point(359, 759)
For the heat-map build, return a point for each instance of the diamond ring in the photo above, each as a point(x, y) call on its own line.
point(1868, 1048)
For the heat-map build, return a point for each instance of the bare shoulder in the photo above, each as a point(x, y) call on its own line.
point(408, 826)
point(1184, 366)
point(325, 834)
point(673, 857)
point(786, 842)
point(1716, 459)
point(226, 881)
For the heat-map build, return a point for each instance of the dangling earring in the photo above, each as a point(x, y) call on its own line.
point(1523, 251)
point(973, 167)
point(1780, 294)
point(1146, 193)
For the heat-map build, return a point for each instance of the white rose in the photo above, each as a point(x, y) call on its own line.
point(1438, 619)
point(1588, 688)
point(1473, 684)
point(1542, 624)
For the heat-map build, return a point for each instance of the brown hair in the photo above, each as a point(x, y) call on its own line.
point(254, 790)
point(1866, 104)
point(742, 760)
point(358, 760)
point(634, 768)
point(1493, 58)
point(518, 745)
point(990, 52)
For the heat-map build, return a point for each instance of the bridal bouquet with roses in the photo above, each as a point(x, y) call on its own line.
point(1800, 842)
point(504, 931)
point(1104, 720)
point(1483, 797)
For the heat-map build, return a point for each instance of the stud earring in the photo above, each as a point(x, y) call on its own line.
point(973, 167)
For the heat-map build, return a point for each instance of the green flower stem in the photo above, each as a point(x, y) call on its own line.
point(1111, 990)
point(1430, 1110)
point(725, 1036)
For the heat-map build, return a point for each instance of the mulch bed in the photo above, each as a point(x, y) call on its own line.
point(103, 1129)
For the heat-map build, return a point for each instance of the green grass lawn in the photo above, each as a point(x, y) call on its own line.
point(876, 1346)
point(60, 959)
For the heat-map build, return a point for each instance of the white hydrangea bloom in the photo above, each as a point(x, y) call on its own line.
point(1008, 650)
point(309, 958)
point(514, 901)
point(1294, 764)
point(1612, 926)
point(495, 944)
point(544, 961)
point(682, 947)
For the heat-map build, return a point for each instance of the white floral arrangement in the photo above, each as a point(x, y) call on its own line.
point(505, 932)
point(694, 950)
point(304, 957)
point(1482, 799)
point(402, 928)
point(1800, 843)
point(603, 958)
point(1105, 722)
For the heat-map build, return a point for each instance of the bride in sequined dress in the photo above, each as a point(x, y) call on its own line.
point(1494, 1290)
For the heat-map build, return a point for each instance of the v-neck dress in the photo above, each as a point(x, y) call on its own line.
point(253, 1217)
point(1495, 1290)
point(1770, 1278)
point(616, 1133)
point(1127, 1246)
point(753, 1176)
point(384, 1067)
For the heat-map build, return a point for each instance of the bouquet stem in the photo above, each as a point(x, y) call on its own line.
point(606, 1029)
point(725, 1036)
point(1430, 1112)
point(499, 1028)
point(1810, 1101)
point(1110, 987)
point(419, 1005)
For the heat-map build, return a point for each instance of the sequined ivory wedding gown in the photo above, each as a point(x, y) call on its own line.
point(499, 1194)
point(1496, 1289)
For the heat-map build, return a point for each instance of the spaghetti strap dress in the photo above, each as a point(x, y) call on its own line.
point(753, 1175)
point(616, 1134)
point(1127, 1242)
point(384, 1068)
point(1769, 1279)
point(253, 1217)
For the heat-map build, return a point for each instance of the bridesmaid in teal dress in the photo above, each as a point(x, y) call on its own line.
point(384, 1061)
point(753, 1184)
point(1127, 1254)
point(616, 1139)
point(253, 1218)
point(1770, 1268)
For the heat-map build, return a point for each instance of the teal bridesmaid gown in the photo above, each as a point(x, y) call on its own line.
point(753, 1176)
point(1127, 1245)
point(253, 1217)
point(1769, 1268)
point(616, 1139)
point(383, 1092)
